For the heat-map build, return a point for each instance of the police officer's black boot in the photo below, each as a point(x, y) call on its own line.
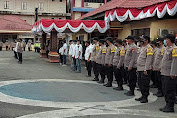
point(144, 100)
point(168, 109)
point(139, 99)
point(101, 81)
point(109, 84)
point(160, 94)
point(130, 93)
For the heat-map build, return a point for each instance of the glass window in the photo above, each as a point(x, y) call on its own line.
point(41, 6)
point(6, 4)
point(24, 5)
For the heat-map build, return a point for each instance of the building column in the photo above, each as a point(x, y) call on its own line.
point(43, 43)
point(53, 55)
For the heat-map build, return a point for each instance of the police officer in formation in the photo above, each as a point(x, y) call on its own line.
point(138, 62)
point(130, 64)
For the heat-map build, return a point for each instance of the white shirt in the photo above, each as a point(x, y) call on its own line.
point(74, 50)
point(91, 49)
point(65, 47)
point(78, 49)
point(88, 51)
point(15, 49)
point(61, 50)
point(71, 49)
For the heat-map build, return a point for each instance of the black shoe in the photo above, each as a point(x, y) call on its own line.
point(88, 75)
point(130, 93)
point(118, 88)
point(139, 99)
point(109, 85)
point(101, 82)
point(105, 84)
point(144, 100)
point(95, 79)
point(159, 95)
point(161, 109)
point(168, 109)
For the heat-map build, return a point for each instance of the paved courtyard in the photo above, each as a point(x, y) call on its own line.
point(38, 89)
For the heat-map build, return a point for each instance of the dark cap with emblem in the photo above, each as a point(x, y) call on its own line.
point(171, 37)
point(102, 41)
point(95, 38)
point(130, 37)
point(160, 39)
point(145, 37)
point(109, 39)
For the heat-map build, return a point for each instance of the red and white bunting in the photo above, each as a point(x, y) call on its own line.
point(74, 26)
point(122, 14)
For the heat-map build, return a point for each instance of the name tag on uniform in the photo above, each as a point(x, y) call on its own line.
point(113, 49)
point(97, 48)
point(162, 51)
point(122, 52)
point(149, 51)
point(104, 50)
point(174, 52)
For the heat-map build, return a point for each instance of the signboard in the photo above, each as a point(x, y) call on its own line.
point(23, 36)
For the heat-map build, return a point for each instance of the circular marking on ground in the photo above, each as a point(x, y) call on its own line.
point(74, 104)
point(62, 92)
point(95, 111)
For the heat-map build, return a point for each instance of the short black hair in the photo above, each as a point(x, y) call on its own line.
point(87, 42)
point(119, 41)
point(124, 41)
point(64, 41)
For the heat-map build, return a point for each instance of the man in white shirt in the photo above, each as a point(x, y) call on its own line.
point(65, 51)
point(70, 51)
point(73, 55)
point(88, 54)
point(78, 56)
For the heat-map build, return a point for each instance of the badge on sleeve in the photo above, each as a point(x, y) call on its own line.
point(174, 52)
point(113, 49)
point(162, 51)
point(122, 52)
point(138, 50)
point(97, 48)
point(149, 51)
point(104, 50)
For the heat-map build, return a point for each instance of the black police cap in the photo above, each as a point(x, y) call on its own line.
point(130, 37)
point(171, 37)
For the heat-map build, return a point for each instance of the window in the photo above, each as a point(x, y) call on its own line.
point(41, 5)
point(94, 1)
point(24, 5)
point(6, 4)
point(139, 32)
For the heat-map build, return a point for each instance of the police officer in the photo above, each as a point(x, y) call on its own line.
point(100, 60)
point(118, 64)
point(154, 81)
point(125, 77)
point(109, 60)
point(144, 66)
point(156, 65)
point(95, 51)
point(130, 65)
point(169, 73)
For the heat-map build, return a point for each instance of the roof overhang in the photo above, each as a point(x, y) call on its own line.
point(71, 26)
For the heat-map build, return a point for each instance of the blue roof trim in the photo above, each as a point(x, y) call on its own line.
point(83, 9)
